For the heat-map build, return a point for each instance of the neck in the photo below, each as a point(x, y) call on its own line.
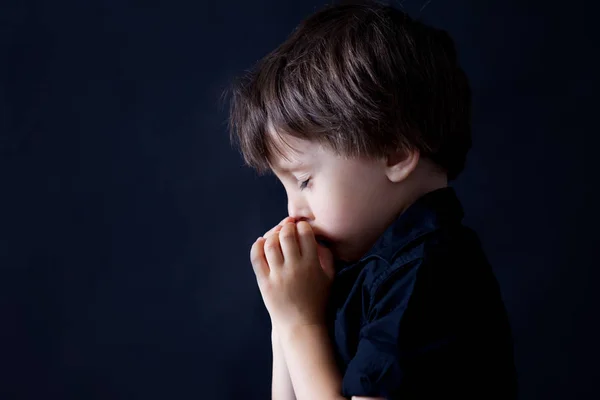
point(428, 177)
point(425, 178)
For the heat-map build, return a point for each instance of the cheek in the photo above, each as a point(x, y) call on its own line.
point(336, 216)
point(350, 212)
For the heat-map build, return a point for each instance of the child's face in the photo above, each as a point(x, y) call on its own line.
point(348, 202)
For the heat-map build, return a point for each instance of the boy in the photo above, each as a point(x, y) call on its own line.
point(374, 287)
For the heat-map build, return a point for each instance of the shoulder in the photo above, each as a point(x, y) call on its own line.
point(442, 260)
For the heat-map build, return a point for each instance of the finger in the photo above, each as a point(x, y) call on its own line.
point(258, 259)
point(273, 230)
point(286, 219)
point(326, 260)
point(278, 226)
point(289, 242)
point(308, 243)
point(273, 252)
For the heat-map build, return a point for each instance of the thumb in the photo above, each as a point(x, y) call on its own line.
point(326, 260)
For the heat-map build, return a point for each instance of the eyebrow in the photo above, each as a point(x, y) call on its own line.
point(291, 168)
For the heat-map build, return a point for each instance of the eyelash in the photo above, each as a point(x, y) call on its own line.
point(304, 184)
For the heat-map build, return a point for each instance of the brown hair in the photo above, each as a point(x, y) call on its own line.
point(362, 78)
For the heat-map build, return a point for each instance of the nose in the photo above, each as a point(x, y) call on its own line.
point(298, 209)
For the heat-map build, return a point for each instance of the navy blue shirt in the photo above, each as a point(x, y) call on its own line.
point(420, 316)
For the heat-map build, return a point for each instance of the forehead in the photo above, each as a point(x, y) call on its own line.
point(288, 152)
point(281, 164)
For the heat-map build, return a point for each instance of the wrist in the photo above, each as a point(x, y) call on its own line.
point(292, 332)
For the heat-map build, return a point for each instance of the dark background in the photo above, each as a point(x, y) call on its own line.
point(126, 218)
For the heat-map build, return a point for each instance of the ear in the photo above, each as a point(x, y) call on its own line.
point(400, 164)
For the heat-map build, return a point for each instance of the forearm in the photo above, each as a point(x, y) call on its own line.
point(281, 388)
point(311, 363)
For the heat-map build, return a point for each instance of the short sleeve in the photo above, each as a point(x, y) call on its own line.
point(376, 369)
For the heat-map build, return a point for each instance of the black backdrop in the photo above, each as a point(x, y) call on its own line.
point(126, 218)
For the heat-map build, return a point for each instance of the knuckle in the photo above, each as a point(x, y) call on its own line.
point(253, 253)
point(271, 238)
point(287, 234)
point(271, 245)
point(254, 256)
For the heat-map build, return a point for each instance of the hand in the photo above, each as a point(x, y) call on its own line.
point(290, 268)
point(277, 227)
point(324, 252)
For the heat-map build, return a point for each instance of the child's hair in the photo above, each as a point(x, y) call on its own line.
point(363, 79)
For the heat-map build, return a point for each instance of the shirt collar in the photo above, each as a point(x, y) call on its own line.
point(426, 214)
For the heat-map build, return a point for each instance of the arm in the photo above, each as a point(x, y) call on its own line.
point(311, 364)
point(282, 388)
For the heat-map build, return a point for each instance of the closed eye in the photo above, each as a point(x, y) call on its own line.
point(304, 184)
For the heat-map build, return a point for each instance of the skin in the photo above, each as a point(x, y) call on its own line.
point(294, 272)
point(348, 201)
